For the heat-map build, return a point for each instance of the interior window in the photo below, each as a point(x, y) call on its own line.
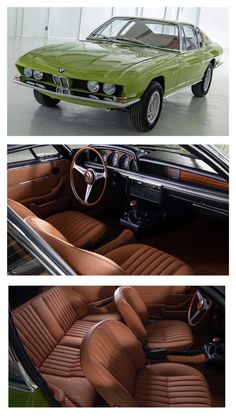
point(45, 151)
point(19, 156)
point(190, 38)
point(32, 153)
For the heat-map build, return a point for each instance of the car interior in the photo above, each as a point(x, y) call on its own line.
point(135, 210)
point(107, 346)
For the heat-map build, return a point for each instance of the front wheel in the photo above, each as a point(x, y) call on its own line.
point(145, 114)
point(201, 89)
point(45, 100)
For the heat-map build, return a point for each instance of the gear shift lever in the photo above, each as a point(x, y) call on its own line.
point(134, 205)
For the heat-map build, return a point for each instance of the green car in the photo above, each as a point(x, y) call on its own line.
point(127, 63)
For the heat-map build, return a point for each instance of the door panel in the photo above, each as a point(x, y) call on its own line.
point(166, 301)
point(191, 67)
point(43, 187)
point(99, 299)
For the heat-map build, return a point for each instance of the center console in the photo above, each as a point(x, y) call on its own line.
point(212, 355)
point(140, 220)
point(215, 353)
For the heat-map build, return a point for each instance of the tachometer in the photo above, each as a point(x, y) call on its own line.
point(114, 159)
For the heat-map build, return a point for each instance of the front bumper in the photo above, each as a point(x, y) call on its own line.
point(115, 102)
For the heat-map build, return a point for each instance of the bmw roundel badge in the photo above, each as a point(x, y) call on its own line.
point(61, 70)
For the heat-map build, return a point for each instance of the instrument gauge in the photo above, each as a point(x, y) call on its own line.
point(114, 159)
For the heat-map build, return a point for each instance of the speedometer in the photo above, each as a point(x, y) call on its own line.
point(104, 155)
point(114, 159)
point(124, 164)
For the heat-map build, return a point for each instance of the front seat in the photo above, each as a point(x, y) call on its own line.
point(173, 335)
point(78, 228)
point(89, 263)
point(114, 363)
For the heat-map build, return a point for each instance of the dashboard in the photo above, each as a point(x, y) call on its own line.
point(149, 178)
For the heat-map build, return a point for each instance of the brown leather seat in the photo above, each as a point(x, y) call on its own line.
point(115, 365)
point(78, 228)
point(136, 259)
point(140, 259)
point(51, 327)
point(162, 334)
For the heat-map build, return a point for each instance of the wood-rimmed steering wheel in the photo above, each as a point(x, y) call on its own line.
point(89, 175)
point(198, 308)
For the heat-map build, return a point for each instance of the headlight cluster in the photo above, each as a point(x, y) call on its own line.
point(28, 72)
point(108, 89)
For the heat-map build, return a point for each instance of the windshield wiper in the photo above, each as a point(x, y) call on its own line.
point(100, 37)
point(132, 41)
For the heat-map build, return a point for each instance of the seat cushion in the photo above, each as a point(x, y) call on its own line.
point(139, 259)
point(169, 334)
point(78, 228)
point(171, 385)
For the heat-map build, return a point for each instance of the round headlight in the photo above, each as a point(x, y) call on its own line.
point(109, 89)
point(93, 86)
point(38, 75)
point(28, 72)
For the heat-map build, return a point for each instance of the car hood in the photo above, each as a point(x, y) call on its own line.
point(92, 60)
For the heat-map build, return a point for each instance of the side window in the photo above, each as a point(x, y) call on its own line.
point(34, 153)
point(190, 39)
point(200, 38)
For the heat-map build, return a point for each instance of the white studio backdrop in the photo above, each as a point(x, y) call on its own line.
point(77, 23)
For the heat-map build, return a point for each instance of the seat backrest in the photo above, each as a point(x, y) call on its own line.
point(42, 321)
point(133, 310)
point(81, 261)
point(20, 209)
point(111, 356)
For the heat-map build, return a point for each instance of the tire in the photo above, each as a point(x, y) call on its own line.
point(201, 89)
point(45, 100)
point(139, 111)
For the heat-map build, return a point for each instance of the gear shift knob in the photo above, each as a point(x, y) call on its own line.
point(133, 204)
point(216, 340)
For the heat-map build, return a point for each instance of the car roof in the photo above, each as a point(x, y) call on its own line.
point(153, 19)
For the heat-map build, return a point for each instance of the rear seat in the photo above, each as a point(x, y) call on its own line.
point(51, 327)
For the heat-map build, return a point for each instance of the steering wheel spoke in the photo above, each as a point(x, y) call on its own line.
point(194, 316)
point(90, 176)
point(88, 192)
point(100, 175)
point(198, 308)
point(79, 169)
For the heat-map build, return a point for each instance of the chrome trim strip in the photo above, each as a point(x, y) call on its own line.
point(181, 89)
point(106, 103)
point(30, 386)
point(30, 247)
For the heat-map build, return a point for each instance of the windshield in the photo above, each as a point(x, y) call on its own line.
point(152, 33)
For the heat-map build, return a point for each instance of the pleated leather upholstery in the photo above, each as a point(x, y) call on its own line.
point(166, 334)
point(114, 364)
point(78, 228)
point(51, 332)
point(171, 385)
point(169, 334)
point(139, 259)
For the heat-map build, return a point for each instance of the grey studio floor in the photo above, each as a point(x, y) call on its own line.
point(182, 114)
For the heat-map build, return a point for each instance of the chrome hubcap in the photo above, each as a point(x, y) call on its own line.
point(207, 79)
point(153, 107)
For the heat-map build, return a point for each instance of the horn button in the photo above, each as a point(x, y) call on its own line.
point(89, 176)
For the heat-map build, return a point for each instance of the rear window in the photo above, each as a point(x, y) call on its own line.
point(32, 153)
